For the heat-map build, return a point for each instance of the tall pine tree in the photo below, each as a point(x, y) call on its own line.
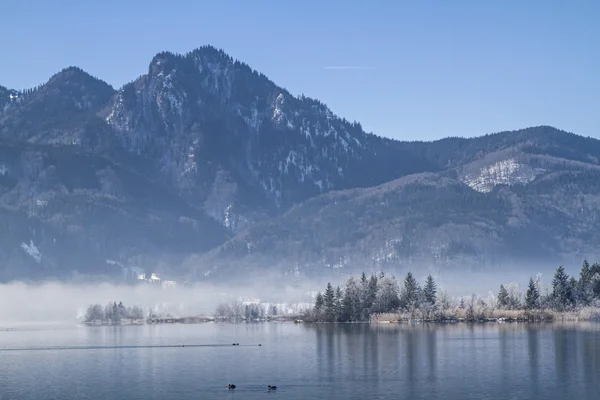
point(532, 297)
point(338, 303)
point(584, 286)
point(429, 291)
point(370, 296)
point(351, 303)
point(562, 291)
point(410, 292)
point(387, 295)
point(503, 298)
point(319, 302)
point(329, 303)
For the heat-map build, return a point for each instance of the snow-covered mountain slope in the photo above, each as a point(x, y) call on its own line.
point(505, 172)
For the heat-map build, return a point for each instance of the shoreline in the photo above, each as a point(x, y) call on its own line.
point(191, 321)
point(486, 315)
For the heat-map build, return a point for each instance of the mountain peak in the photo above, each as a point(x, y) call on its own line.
point(76, 76)
point(51, 113)
point(208, 51)
point(207, 54)
point(163, 61)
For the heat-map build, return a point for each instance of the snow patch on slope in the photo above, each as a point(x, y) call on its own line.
point(389, 251)
point(506, 172)
point(278, 115)
point(32, 250)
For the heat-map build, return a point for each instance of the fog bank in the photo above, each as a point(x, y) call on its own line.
point(57, 302)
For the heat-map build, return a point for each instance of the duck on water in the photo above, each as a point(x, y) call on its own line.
point(269, 387)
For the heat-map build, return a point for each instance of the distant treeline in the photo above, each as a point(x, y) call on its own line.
point(237, 311)
point(362, 299)
point(113, 313)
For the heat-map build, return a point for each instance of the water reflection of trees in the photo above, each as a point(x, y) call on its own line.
point(539, 359)
point(376, 354)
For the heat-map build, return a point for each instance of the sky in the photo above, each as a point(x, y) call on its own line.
point(410, 70)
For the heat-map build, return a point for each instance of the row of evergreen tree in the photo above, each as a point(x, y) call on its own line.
point(567, 292)
point(357, 300)
point(369, 295)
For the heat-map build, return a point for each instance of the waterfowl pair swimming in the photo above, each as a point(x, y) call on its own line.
point(269, 387)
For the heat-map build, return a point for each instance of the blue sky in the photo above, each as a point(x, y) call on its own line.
point(416, 70)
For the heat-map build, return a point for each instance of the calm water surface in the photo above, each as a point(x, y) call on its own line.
point(346, 361)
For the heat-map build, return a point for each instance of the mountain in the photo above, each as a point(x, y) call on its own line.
point(65, 210)
point(204, 168)
point(510, 198)
point(62, 111)
point(228, 137)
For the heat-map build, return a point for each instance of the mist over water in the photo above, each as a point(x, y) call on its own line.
point(60, 302)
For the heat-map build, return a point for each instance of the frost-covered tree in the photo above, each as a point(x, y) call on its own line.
point(429, 291)
point(94, 312)
point(503, 299)
point(595, 281)
point(370, 296)
point(584, 289)
point(514, 296)
point(411, 292)
point(351, 303)
point(115, 317)
point(329, 303)
point(319, 302)
point(122, 311)
point(136, 313)
point(491, 300)
point(532, 297)
point(108, 312)
point(338, 302)
point(387, 296)
point(229, 311)
point(443, 299)
point(363, 281)
point(562, 290)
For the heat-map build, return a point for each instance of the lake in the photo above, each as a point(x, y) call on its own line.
point(343, 361)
